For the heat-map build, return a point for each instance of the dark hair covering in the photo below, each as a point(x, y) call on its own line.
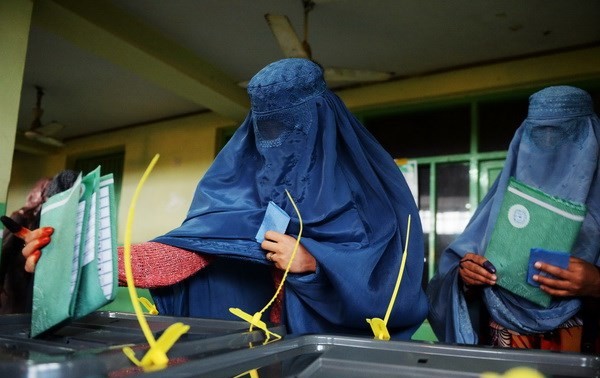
point(16, 284)
point(61, 182)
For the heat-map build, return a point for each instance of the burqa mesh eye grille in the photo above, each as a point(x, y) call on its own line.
point(272, 129)
point(546, 135)
point(552, 116)
point(279, 94)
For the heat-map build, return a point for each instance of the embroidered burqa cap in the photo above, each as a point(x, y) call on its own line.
point(352, 197)
point(555, 150)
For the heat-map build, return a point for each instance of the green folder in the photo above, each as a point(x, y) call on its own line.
point(530, 218)
point(97, 282)
point(77, 272)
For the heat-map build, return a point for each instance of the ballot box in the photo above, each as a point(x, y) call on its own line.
point(338, 356)
point(92, 346)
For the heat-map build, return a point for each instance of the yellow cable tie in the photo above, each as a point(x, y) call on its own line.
point(131, 355)
point(515, 372)
point(156, 357)
point(378, 325)
point(150, 307)
point(379, 328)
point(253, 374)
point(255, 320)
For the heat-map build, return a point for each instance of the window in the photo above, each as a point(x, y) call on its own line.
point(452, 209)
point(424, 133)
point(498, 122)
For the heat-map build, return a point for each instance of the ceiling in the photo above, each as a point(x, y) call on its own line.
point(108, 64)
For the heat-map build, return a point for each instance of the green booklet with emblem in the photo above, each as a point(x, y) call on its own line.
point(530, 219)
point(77, 272)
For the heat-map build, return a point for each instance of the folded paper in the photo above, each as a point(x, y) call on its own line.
point(77, 271)
point(530, 218)
point(275, 220)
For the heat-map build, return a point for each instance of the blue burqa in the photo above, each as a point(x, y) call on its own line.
point(354, 204)
point(556, 150)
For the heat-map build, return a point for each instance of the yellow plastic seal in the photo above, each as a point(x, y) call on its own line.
point(252, 373)
point(254, 320)
point(378, 325)
point(516, 372)
point(379, 328)
point(156, 357)
point(149, 306)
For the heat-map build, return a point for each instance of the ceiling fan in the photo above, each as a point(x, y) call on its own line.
point(43, 132)
point(293, 47)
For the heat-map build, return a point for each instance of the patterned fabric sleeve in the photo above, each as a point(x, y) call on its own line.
point(156, 264)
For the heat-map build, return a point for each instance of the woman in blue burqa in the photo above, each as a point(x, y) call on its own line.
point(352, 198)
point(556, 151)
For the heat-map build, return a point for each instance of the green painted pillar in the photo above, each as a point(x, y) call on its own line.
point(15, 20)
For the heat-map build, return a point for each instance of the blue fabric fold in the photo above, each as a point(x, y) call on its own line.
point(555, 150)
point(352, 197)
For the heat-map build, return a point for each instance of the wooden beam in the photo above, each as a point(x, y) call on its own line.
point(99, 27)
point(551, 69)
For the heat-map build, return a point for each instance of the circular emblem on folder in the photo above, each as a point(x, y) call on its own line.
point(518, 216)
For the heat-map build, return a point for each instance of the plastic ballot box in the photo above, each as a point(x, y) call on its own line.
point(92, 346)
point(338, 356)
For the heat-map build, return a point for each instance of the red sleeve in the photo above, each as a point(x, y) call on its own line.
point(155, 264)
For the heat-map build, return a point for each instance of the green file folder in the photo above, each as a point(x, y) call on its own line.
point(77, 271)
point(98, 281)
point(530, 218)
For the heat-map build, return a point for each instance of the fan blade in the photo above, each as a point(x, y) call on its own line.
point(286, 36)
point(50, 128)
point(354, 75)
point(31, 134)
point(50, 141)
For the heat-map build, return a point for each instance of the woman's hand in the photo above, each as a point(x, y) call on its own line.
point(35, 240)
point(581, 278)
point(279, 249)
point(472, 272)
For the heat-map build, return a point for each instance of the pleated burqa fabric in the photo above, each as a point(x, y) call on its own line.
point(353, 200)
point(556, 151)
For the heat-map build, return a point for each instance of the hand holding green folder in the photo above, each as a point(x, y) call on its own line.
point(77, 272)
point(530, 218)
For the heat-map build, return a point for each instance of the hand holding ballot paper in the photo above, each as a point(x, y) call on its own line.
point(579, 279)
point(532, 223)
point(76, 273)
